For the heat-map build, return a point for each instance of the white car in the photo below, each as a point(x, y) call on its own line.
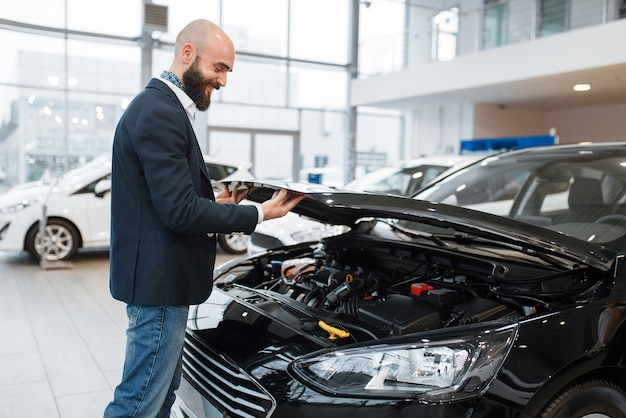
point(403, 178)
point(76, 211)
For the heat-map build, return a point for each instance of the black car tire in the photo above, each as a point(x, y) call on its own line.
point(592, 398)
point(61, 238)
point(234, 243)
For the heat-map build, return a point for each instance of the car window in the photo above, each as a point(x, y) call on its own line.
point(91, 187)
point(394, 184)
point(395, 181)
point(422, 177)
point(364, 181)
point(219, 171)
point(582, 191)
point(554, 202)
point(582, 195)
point(490, 188)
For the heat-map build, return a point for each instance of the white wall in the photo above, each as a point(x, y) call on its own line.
point(438, 130)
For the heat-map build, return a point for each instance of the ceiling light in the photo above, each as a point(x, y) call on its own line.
point(582, 87)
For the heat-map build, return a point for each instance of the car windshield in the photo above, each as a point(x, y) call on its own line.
point(581, 195)
point(92, 166)
point(396, 180)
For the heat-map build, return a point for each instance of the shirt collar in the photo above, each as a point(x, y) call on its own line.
point(174, 83)
point(173, 78)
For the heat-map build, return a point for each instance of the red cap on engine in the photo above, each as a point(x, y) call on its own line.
point(418, 288)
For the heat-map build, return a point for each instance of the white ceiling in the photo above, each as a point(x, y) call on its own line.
point(608, 86)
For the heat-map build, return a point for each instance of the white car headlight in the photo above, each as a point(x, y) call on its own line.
point(431, 370)
point(19, 206)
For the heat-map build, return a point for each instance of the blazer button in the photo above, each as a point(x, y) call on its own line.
point(210, 234)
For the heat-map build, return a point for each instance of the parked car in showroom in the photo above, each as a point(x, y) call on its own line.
point(403, 178)
point(424, 309)
point(560, 187)
point(77, 211)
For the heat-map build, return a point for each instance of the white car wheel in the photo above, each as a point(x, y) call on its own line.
point(60, 241)
point(235, 243)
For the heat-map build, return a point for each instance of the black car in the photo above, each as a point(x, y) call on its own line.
point(424, 309)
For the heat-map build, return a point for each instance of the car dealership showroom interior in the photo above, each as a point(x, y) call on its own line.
point(391, 208)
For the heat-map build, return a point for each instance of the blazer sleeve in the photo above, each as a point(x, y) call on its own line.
point(168, 153)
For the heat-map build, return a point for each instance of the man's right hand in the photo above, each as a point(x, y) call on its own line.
point(282, 201)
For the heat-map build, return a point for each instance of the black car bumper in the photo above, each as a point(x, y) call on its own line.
point(215, 386)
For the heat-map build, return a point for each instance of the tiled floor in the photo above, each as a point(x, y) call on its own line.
point(61, 337)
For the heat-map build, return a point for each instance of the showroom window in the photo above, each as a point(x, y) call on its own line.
point(381, 46)
point(445, 26)
point(494, 24)
point(249, 32)
point(256, 82)
point(76, 87)
point(552, 16)
point(317, 30)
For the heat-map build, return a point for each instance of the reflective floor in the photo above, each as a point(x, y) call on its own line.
point(61, 337)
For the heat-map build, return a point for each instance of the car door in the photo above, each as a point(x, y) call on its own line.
point(97, 215)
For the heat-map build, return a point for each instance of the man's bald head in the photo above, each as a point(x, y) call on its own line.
point(201, 37)
point(203, 57)
point(199, 33)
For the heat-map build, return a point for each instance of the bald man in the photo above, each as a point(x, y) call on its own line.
point(165, 216)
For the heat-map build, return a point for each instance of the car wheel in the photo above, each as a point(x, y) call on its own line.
point(590, 399)
point(60, 241)
point(235, 243)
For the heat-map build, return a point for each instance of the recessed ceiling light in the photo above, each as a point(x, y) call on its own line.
point(582, 87)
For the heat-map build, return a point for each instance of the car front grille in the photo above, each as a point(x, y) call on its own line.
point(265, 241)
point(226, 386)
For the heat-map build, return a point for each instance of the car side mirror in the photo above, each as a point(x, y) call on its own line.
point(102, 187)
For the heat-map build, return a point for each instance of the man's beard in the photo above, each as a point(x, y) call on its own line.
point(196, 85)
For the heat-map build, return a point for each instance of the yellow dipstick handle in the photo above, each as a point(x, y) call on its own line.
point(334, 332)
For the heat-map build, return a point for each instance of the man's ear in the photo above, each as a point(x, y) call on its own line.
point(188, 53)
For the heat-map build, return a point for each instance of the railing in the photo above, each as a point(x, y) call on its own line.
point(466, 31)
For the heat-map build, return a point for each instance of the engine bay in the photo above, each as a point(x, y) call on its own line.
point(371, 288)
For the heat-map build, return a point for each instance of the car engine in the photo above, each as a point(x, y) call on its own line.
point(372, 289)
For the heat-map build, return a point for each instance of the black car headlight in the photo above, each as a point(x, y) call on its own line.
point(430, 370)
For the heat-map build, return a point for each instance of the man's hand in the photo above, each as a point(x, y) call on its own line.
point(235, 196)
point(282, 201)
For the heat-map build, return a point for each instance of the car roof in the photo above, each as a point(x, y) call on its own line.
point(546, 152)
point(446, 160)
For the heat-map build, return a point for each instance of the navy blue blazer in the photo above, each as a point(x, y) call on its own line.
point(163, 211)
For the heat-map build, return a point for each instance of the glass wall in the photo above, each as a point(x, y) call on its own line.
point(58, 104)
point(71, 67)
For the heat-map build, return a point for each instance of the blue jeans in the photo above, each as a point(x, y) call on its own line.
point(153, 363)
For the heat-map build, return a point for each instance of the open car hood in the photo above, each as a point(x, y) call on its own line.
point(342, 207)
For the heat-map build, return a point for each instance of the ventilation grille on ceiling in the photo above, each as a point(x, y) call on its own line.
point(155, 17)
